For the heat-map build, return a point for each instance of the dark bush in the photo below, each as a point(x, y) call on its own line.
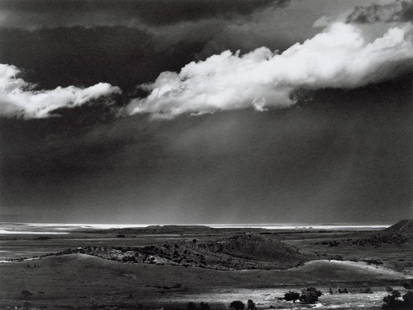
point(204, 306)
point(310, 295)
point(333, 243)
point(394, 302)
point(191, 306)
point(251, 305)
point(43, 238)
point(343, 290)
point(408, 299)
point(237, 305)
point(292, 296)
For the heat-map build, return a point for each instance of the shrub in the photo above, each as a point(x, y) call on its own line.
point(292, 296)
point(394, 302)
point(408, 299)
point(237, 305)
point(204, 306)
point(251, 305)
point(310, 295)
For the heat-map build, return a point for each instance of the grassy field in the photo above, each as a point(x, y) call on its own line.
point(82, 281)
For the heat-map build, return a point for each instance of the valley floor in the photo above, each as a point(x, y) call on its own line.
point(79, 279)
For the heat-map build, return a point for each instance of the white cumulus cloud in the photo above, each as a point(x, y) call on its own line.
point(339, 57)
point(19, 98)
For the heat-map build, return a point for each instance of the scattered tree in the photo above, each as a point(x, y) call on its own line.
point(395, 302)
point(343, 290)
point(310, 295)
point(251, 305)
point(237, 305)
point(292, 296)
point(408, 299)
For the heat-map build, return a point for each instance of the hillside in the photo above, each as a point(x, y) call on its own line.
point(404, 227)
point(398, 234)
point(255, 247)
point(89, 282)
point(246, 251)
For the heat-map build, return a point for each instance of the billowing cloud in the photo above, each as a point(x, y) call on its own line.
point(19, 98)
point(54, 13)
point(137, 53)
point(395, 11)
point(339, 57)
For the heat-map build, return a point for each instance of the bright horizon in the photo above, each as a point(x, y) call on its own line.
point(69, 226)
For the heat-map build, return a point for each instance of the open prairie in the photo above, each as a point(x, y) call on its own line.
point(171, 266)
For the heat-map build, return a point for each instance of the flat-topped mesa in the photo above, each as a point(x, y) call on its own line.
point(154, 229)
point(404, 227)
point(176, 228)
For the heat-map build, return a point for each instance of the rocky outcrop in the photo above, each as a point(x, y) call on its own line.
point(247, 251)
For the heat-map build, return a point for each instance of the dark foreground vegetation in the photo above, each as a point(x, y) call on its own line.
point(395, 301)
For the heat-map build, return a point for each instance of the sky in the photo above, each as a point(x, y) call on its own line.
point(206, 111)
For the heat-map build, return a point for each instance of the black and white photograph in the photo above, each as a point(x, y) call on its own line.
point(206, 154)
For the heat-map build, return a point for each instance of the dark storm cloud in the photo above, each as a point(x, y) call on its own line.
point(85, 42)
point(396, 11)
point(124, 42)
point(82, 56)
point(344, 157)
point(339, 154)
point(122, 56)
point(52, 13)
